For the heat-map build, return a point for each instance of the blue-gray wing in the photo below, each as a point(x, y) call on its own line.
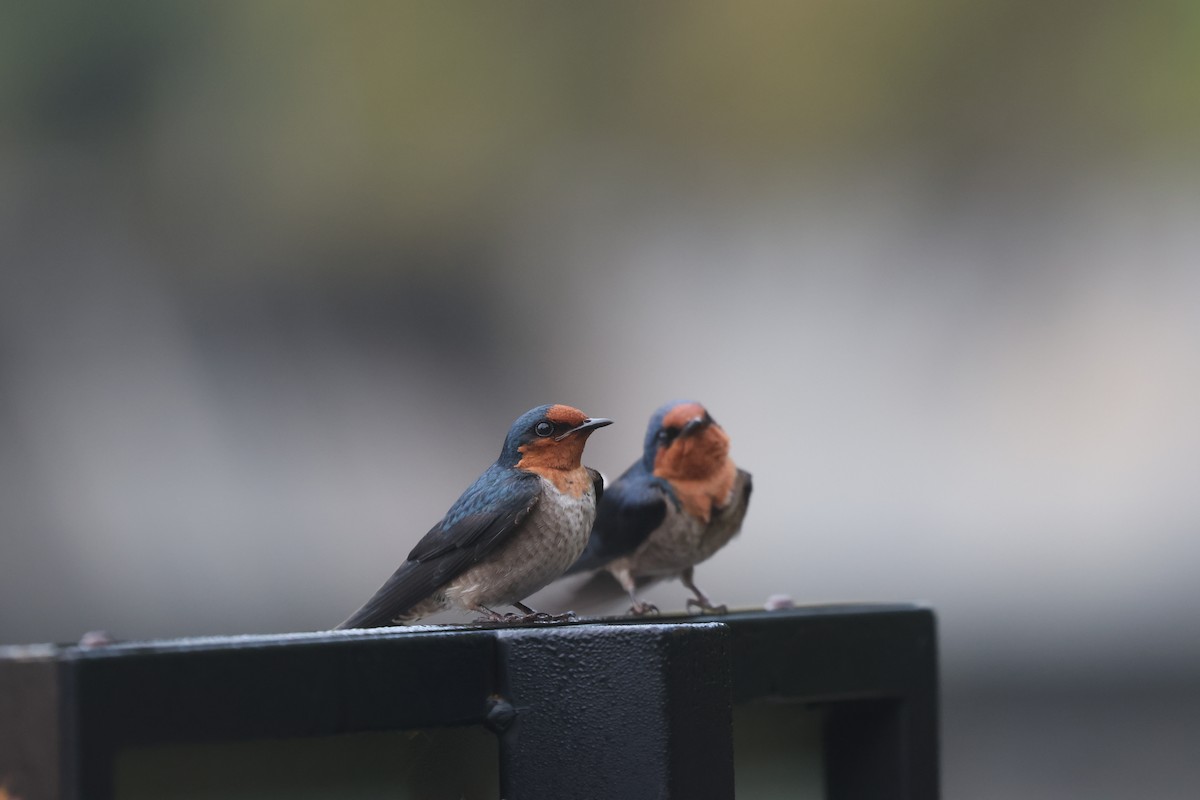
point(486, 514)
point(630, 510)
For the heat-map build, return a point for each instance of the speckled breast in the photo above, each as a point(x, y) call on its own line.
point(549, 541)
point(683, 541)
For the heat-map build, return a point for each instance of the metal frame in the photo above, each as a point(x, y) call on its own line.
point(648, 706)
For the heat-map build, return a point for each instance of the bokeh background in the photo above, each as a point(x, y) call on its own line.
point(276, 276)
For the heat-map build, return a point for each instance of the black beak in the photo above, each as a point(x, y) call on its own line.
point(695, 424)
point(587, 425)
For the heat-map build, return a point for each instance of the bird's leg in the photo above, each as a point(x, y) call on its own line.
point(700, 602)
point(639, 607)
point(492, 616)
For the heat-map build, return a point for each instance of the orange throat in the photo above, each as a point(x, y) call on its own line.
point(699, 469)
point(558, 462)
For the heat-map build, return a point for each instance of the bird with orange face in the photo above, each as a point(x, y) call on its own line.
point(674, 508)
point(513, 531)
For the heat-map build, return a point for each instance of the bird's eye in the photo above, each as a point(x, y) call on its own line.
point(665, 435)
point(543, 429)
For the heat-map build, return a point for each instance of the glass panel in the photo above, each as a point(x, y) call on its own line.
point(778, 752)
point(436, 764)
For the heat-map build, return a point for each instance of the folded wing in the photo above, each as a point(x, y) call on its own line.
point(490, 511)
point(630, 510)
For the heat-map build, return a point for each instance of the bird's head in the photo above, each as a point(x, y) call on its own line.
point(549, 437)
point(683, 441)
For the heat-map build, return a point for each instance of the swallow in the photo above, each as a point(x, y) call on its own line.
point(513, 531)
point(676, 507)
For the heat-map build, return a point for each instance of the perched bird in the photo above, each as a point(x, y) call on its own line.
point(513, 531)
point(673, 509)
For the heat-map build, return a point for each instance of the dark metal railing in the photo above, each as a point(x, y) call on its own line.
point(621, 709)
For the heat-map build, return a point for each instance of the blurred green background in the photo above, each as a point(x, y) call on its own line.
point(275, 278)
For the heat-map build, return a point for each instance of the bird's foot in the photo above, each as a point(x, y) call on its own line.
point(705, 606)
point(529, 615)
point(641, 608)
point(542, 616)
point(510, 618)
point(496, 618)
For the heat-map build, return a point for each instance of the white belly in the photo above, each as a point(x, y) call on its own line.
point(684, 541)
point(548, 541)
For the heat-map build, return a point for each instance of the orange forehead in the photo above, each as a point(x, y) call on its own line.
point(679, 416)
point(565, 415)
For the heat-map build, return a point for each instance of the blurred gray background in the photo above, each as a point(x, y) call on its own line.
point(275, 278)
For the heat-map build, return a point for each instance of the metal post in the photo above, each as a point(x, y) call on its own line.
point(617, 713)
